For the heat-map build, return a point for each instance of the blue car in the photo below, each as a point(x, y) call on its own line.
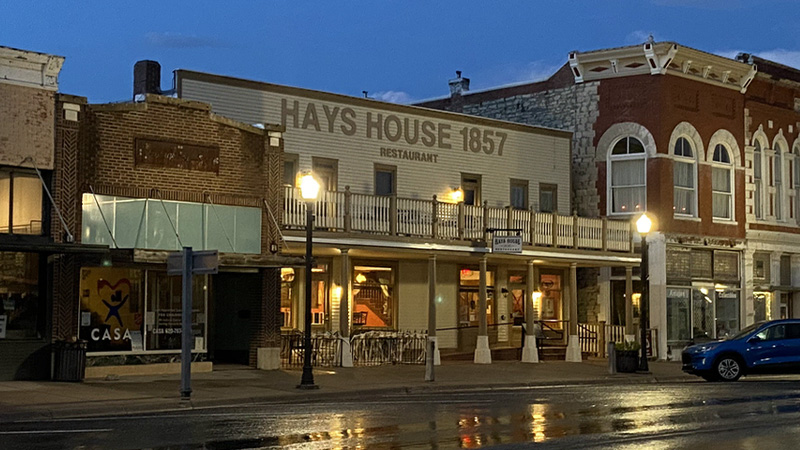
point(763, 347)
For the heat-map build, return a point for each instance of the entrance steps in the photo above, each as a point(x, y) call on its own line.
point(546, 353)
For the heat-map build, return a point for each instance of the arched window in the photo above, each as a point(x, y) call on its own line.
point(757, 178)
point(795, 174)
point(684, 185)
point(722, 184)
point(778, 182)
point(627, 164)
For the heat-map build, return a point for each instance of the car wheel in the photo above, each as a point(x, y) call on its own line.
point(728, 368)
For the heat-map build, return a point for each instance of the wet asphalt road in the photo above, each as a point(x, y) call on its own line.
point(757, 413)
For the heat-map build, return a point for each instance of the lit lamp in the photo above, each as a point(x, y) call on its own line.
point(457, 195)
point(643, 225)
point(309, 188)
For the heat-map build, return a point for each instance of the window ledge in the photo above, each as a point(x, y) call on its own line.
point(687, 218)
point(725, 221)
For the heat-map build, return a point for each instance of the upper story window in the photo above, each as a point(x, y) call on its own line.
point(796, 182)
point(684, 179)
point(385, 180)
point(627, 166)
point(519, 194)
point(290, 168)
point(778, 178)
point(548, 197)
point(20, 202)
point(758, 180)
point(722, 184)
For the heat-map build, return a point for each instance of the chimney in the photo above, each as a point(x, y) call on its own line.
point(458, 85)
point(146, 79)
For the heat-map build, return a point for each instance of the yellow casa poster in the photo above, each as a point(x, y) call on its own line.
point(111, 308)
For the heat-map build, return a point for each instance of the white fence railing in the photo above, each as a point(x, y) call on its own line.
point(349, 212)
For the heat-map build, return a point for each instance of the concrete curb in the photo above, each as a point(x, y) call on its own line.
point(156, 405)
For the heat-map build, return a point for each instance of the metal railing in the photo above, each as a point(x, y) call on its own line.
point(389, 215)
point(594, 336)
point(374, 348)
point(370, 348)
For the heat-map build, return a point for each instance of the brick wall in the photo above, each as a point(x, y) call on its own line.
point(26, 125)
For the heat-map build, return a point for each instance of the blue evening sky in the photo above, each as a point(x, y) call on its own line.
point(398, 51)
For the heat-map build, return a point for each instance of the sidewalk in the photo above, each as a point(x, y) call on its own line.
point(235, 385)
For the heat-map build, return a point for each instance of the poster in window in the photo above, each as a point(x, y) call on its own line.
point(111, 297)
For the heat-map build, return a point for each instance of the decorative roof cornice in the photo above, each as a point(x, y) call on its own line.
point(31, 69)
point(661, 58)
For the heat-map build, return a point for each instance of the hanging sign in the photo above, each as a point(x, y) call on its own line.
point(507, 244)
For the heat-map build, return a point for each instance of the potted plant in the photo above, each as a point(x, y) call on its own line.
point(627, 356)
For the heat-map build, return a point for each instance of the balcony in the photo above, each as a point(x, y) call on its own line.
point(344, 211)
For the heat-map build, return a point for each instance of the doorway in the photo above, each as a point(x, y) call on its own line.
point(237, 301)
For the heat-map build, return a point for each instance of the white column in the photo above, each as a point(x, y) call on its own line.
point(483, 355)
point(530, 354)
point(573, 343)
point(437, 360)
point(344, 310)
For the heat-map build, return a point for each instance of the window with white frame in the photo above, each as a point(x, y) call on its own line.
point(778, 177)
point(796, 183)
point(627, 164)
point(683, 169)
point(757, 179)
point(722, 184)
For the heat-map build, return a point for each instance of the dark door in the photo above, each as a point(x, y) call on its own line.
point(237, 300)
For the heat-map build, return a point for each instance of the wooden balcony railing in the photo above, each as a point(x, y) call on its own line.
point(349, 212)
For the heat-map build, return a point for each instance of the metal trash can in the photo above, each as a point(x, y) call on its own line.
point(70, 361)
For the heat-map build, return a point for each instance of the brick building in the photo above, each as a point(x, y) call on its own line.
point(34, 238)
point(672, 130)
point(150, 177)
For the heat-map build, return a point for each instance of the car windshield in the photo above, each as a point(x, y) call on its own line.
point(747, 330)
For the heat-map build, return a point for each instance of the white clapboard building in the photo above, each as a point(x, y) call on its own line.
point(410, 201)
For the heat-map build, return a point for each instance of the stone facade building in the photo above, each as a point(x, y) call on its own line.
point(656, 127)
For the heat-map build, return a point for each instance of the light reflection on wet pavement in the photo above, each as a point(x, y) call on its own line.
point(654, 416)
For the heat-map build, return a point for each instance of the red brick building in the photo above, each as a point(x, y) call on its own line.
point(660, 128)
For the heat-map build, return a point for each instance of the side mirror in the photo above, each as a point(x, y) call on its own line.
point(754, 340)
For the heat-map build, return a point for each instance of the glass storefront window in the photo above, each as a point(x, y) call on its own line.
point(287, 296)
point(468, 296)
point(319, 294)
point(113, 317)
point(517, 287)
point(550, 285)
point(762, 302)
point(21, 309)
point(111, 311)
point(373, 296)
point(727, 313)
point(678, 317)
point(703, 313)
point(618, 300)
point(163, 325)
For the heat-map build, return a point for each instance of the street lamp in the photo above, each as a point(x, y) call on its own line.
point(309, 188)
point(643, 227)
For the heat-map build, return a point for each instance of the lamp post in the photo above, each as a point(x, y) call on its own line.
point(309, 188)
point(643, 227)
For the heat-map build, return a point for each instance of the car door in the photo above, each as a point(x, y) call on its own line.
point(792, 346)
point(767, 349)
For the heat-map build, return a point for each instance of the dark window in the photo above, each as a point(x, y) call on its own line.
point(548, 198)
point(385, 180)
point(289, 169)
point(519, 194)
point(20, 305)
point(793, 331)
point(471, 185)
point(786, 270)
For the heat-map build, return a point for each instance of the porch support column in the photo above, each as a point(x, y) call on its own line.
point(529, 352)
point(432, 310)
point(482, 353)
point(344, 310)
point(573, 344)
point(630, 330)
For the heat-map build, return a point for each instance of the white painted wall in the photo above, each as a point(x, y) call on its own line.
point(529, 153)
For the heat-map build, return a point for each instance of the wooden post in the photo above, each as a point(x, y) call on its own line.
point(532, 218)
point(574, 230)
point(461, 220)
point(604, 238)
point(555, 228)
point(348, 210)
point(485, 224)
point(393, 215)
point(435, 218)
point(601, 339)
